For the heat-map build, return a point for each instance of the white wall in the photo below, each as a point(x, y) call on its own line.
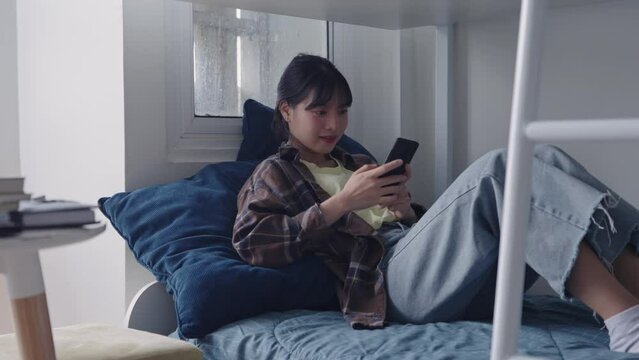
point(145, 100)
point(72, 142)
point(390, 73)
point(589, 69)
point(9, 145)
point(369, 59)
point(418, 107)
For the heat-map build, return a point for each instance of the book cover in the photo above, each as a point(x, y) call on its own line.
point(39, 205)
point(53, 218)
point(48, 213)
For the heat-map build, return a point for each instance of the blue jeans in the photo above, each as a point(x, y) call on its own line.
point(443, 267)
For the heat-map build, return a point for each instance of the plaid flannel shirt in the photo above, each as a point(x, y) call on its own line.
point(279, 220)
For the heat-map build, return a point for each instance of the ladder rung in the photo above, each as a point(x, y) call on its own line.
point(599, 129)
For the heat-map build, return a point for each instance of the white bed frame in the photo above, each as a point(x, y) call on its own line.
point(152, 309)
point(525, 131)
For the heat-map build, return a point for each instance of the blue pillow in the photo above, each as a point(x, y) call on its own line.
point(182, 231)
point(260, 142)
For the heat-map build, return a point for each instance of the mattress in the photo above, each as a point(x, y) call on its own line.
point(551, 328)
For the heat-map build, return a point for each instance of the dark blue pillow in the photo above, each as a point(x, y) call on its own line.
point(260, 142)
point(182, 231)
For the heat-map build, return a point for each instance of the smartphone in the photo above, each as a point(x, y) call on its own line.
point(403, 149)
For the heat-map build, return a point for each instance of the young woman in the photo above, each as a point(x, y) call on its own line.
point(396, 262)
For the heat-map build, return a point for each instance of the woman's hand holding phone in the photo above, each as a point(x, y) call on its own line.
point(366, 187)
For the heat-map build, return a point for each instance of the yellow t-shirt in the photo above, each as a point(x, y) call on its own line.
point(333, 179)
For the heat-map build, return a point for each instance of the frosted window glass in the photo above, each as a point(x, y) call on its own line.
point(241, 54)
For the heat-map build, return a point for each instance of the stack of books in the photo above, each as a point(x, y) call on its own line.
point(26, 213)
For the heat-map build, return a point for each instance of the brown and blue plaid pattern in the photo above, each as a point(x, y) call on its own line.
point(279, 220)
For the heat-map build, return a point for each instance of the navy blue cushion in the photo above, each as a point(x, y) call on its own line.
point(182, 231)
point(260, 142)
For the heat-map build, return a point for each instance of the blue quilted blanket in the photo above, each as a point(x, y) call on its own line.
point(551, 328)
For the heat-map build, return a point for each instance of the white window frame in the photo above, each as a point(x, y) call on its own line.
point(191, 138)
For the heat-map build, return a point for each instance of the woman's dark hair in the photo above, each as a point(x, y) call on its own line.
point(308, 74)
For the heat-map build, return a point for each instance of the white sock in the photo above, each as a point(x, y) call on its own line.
point(623, 329)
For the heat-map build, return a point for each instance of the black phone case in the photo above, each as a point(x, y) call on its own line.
point(403, 149)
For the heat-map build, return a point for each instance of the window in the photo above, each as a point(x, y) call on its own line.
point(217, 58)
point(239, 54)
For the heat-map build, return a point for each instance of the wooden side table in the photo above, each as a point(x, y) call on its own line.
point(20, 262)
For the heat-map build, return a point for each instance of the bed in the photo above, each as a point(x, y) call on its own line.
point(549, 329)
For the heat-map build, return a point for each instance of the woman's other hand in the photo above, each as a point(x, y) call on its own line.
point(401, 207)
point(365, 188)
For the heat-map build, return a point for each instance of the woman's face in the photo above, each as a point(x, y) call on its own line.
point(315, 131)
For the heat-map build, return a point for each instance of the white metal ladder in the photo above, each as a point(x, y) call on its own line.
point(524, 132)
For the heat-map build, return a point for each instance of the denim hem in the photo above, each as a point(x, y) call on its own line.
point(563, 293)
